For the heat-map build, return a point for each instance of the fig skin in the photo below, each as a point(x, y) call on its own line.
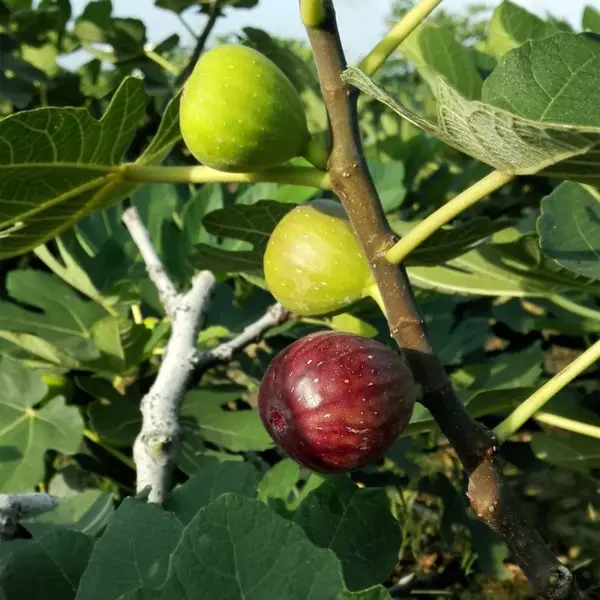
point(240, 113)
point(335, 402)
point(313, 263)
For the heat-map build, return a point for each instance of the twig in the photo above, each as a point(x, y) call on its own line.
point(275, 315)
point(396, 35)
point(156, 271)
point(215, 9)
point(491, 497)
point(14, 507)
point(538, 399)
point(156, 447)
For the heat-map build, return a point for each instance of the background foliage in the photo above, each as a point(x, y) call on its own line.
point(509, 293)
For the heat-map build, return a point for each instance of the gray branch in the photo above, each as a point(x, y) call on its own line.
point(156, 271)
point(274, 315)
point(156, 447)
point(14, 507)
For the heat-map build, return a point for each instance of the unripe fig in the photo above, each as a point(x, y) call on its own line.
point(239, 112)
point(334, 402)
point(313, 263)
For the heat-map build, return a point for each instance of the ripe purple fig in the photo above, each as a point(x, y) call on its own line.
point(334, 402)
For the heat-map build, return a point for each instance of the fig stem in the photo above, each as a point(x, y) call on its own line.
point(539, 398)
point(312, 12)
point(163, 63)
point(426, 228)
point(396, 35)
point(577, 309)
point(316, 154)
point(373, 292)
point(307, 176)
point(94, 437)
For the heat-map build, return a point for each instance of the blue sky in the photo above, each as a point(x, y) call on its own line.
point(361, 22)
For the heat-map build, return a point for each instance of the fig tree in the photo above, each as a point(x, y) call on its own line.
point(239, 112)
point(313, 263)
point(334, 402)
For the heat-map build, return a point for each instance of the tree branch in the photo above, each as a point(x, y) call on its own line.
point(156, 270)
point(491, 497)
point(275, 315)
point(156, 447)
point(14, 507)
point(215, 9)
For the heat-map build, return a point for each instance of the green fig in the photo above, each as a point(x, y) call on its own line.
point(239, 112)
point(313, 263)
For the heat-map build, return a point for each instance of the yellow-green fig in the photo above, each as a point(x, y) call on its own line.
point(239, 112)
point(313, 263)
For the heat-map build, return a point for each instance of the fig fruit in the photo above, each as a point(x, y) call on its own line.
point(313, 263)
point(334, 402)
point(239, 112)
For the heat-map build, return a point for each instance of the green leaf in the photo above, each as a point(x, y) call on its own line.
point(388, 178)
point(207, 199)
point(237, 548)
point(569, 451)
point(451, 341)
point(243, 225)
point(133, 551)
point(569, 228)
point(435, 52)
point(451, 241)
point(278, 487)
point(116, 418)
point(204, 414)
point(226, 261)
point(31, 431)
point(511, 26)
point(282, 193)
point(66, 320)
point(279, 480)
point(357, 525)
point(507, 370)
point(251, 224)
point(61, 164)
point(375, 593)
point(58, 165)
point(87, 512)
point(517, 268)
point(549, 81)
point(521, 141)
point(591, 19)
point(211, 480)
point(48, 567)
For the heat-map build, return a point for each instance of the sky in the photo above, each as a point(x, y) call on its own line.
point(361, 22)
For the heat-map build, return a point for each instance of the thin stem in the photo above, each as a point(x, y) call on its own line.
point(94, 437)
point(161, 62)
point(316, 154)
point(577, 309)
point(396, 35)
point(306, 176)
point(312, 12)
point(187, 26)
point(275, 315)
point(374, 292)
point(215, 11)
point(426, 228)
point(568, 424)
point(537, 400)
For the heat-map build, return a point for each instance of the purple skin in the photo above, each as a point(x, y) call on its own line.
point(334, 402)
